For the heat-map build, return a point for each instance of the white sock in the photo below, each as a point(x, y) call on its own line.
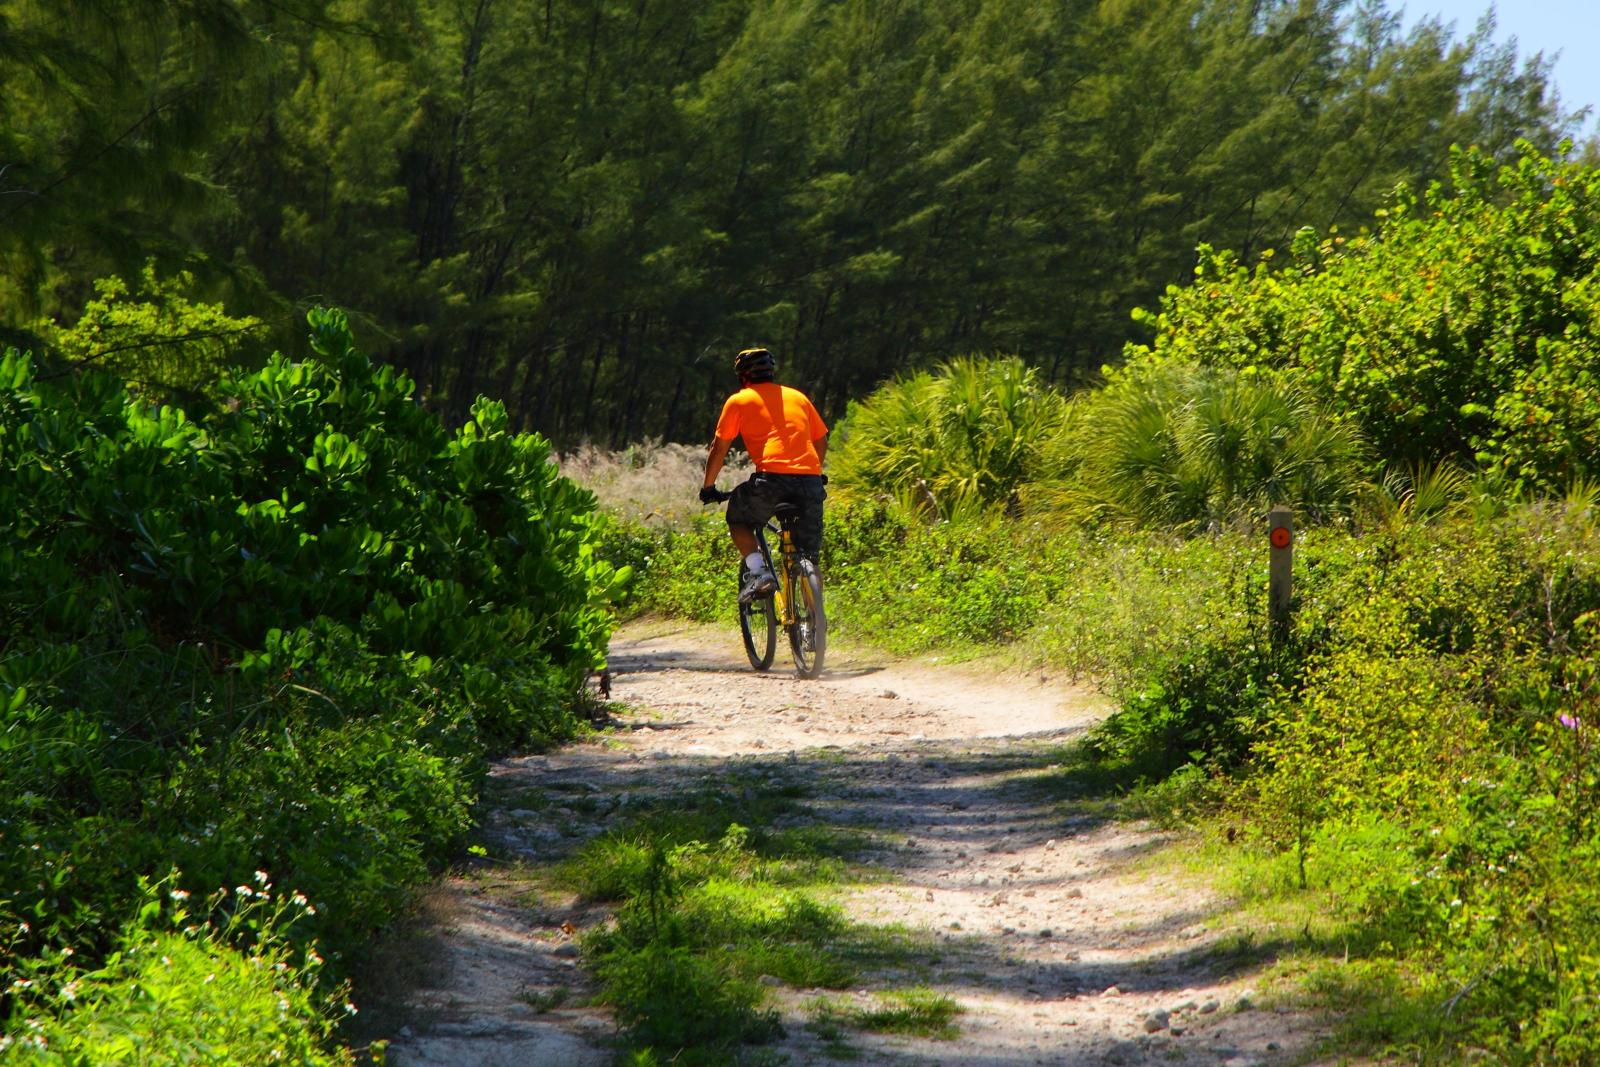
point(755, 564)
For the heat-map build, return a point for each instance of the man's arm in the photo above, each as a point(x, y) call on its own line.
point(714, 458)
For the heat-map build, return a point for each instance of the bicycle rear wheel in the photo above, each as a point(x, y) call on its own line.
point(758, 625)
point(808, 637)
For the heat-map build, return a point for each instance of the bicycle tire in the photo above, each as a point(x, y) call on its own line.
point(808, 636)
point(758, 625)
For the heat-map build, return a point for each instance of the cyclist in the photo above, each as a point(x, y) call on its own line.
point(787, 440)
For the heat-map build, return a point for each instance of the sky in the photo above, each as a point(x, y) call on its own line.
point(1571, 27)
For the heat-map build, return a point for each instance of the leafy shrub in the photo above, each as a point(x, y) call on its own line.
point(1203, 709)
point(691, 571)
point(1126, 609)
point(1463, 329)
point(1169, 801)
point(953, 584)
point(236, 990)
point(1438, 771)
point(283, 637)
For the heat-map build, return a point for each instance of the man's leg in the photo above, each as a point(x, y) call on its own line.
point(744, 539)
point(748, 508)
point(809, 530)
point(760, 580)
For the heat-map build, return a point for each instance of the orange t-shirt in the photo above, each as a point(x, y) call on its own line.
point(778, 425)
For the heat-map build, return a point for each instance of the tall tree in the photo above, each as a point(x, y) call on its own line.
point(584, 206)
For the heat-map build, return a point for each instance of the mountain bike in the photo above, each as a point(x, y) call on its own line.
point(796, 604)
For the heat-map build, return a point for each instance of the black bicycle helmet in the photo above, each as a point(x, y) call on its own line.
point(755, 364)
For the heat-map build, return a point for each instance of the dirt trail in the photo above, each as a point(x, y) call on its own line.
point(1059, 951)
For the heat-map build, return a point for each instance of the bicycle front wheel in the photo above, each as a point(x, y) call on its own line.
point(808, 637)
point(758, 625)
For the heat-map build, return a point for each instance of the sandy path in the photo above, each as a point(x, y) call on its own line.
point(1040, 928)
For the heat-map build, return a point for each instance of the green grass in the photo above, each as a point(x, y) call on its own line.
point(915, 1012)
point(722, 891)
point(700, 928)
point(1310, 949)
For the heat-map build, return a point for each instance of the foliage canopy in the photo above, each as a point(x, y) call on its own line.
point(576, 205)
point(1466, 328)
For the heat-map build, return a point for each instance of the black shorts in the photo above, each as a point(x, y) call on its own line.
point(755, 500)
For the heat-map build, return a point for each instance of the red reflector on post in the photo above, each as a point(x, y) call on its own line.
point(1281, 537)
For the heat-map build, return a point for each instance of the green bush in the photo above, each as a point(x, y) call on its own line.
point(690, 571)
point(1463, 329)
point(1438, 771)
point(283, 637)
point(966, 436)
point(1185, 448)
point(181, 989)
point(951, 584)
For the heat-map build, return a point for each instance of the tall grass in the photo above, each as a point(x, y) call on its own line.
point(650, 482)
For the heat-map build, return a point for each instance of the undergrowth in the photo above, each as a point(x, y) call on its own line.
point(1418, 754)
point(279, 633)
point(917, 1012)
point(714, 905)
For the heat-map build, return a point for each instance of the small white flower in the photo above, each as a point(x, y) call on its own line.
point(261, 877)
point(179, 894)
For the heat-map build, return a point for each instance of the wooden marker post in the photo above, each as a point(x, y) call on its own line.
point(1280, 571)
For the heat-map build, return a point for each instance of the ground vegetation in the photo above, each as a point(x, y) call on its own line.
point(1416, 753)
point(266, 645)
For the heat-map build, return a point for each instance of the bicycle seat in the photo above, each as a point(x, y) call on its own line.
point(786, 512)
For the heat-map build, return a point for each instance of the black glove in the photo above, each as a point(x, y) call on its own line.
point(709, 495)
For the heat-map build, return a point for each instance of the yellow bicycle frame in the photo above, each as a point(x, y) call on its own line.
point(780, 600)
